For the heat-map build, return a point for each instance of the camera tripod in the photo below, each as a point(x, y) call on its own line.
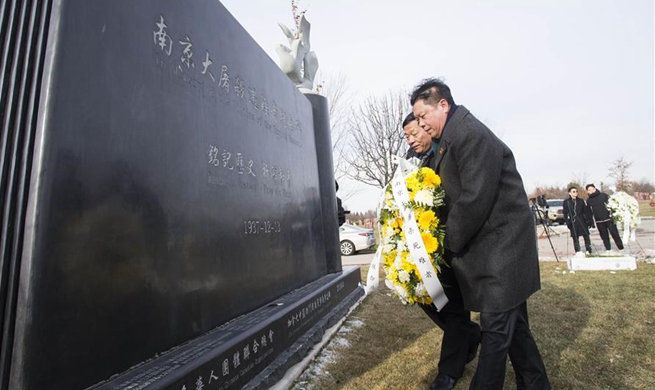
point(547, 229)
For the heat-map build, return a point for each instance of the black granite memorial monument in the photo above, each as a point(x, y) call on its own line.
point(168, 207)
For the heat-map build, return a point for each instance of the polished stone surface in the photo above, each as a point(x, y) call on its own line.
point(253, 350)
point(22, 49)
point(175, 188)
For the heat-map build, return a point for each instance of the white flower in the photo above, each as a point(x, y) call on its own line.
point(388, 235)
point(403, 276)
point(412, 168)
point(624, 209)
point(398, 262)
point(424, 197)
point(420, 290)
point(415, 161)
point(402, 293)
point(388, 248)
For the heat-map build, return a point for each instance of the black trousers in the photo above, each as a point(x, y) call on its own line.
point(503, 334)
point(461, 336)
point(587, 243)
point(603, 228)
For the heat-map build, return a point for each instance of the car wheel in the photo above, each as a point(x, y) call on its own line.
point(347, 248)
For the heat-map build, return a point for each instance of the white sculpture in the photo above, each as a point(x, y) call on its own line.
point(297, 61)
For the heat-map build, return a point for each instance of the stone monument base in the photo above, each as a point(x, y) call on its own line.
point(255, 350)
point(601, 263)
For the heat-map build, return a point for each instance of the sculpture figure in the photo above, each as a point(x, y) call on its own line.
point(297, 61)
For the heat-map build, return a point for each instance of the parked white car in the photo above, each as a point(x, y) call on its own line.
point(556, 210)
point(353, 239)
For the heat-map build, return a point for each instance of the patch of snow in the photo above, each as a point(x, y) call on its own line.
point(339, 342)
point(316, 369)
point(356, 323)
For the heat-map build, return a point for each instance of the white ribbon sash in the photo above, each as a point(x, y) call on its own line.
point(373, 275)
point(628, 233)
point(626, 226)
point(414, 242)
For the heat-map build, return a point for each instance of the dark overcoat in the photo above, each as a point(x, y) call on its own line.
point(597, 202)
point(490, 232)
point(577, 216)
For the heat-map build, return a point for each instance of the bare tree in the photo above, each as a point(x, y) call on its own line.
point(604, 187)
point(297, 15)
point(619, 171)
point(643, 186)
point(581, 178)
point(335, 88)
point(375, 136)
point(550, 192)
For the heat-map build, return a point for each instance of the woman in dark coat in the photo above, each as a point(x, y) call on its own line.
point(578, 219)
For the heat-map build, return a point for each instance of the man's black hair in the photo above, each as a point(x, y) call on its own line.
point(589, 185)
point(408, 119)
point(432, 91)
point(572, 188)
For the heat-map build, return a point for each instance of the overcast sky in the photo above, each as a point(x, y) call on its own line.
point(568, 85)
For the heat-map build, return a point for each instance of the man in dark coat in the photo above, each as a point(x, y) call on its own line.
point(578, 219)
point(341, 212)
point(597, 203)
point(461, 336)
point(490, 235)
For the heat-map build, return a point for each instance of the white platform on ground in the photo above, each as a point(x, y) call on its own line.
point(601, 263)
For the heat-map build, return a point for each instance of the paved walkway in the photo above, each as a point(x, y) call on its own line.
point(562, 243)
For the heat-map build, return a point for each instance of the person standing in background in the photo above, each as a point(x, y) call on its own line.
point(597, 203)
point(578, 219)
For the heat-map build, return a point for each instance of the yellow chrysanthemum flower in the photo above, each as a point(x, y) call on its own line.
point(393, 275)
point(412, 182)
point(431, 243)
point(408, 267)
point(425, 219)
point(389, 258)
point(430, 178)
point(413, 268)
point(424, 300)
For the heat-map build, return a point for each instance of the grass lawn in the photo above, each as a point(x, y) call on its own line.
point(595, 330)
point(645, 209)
